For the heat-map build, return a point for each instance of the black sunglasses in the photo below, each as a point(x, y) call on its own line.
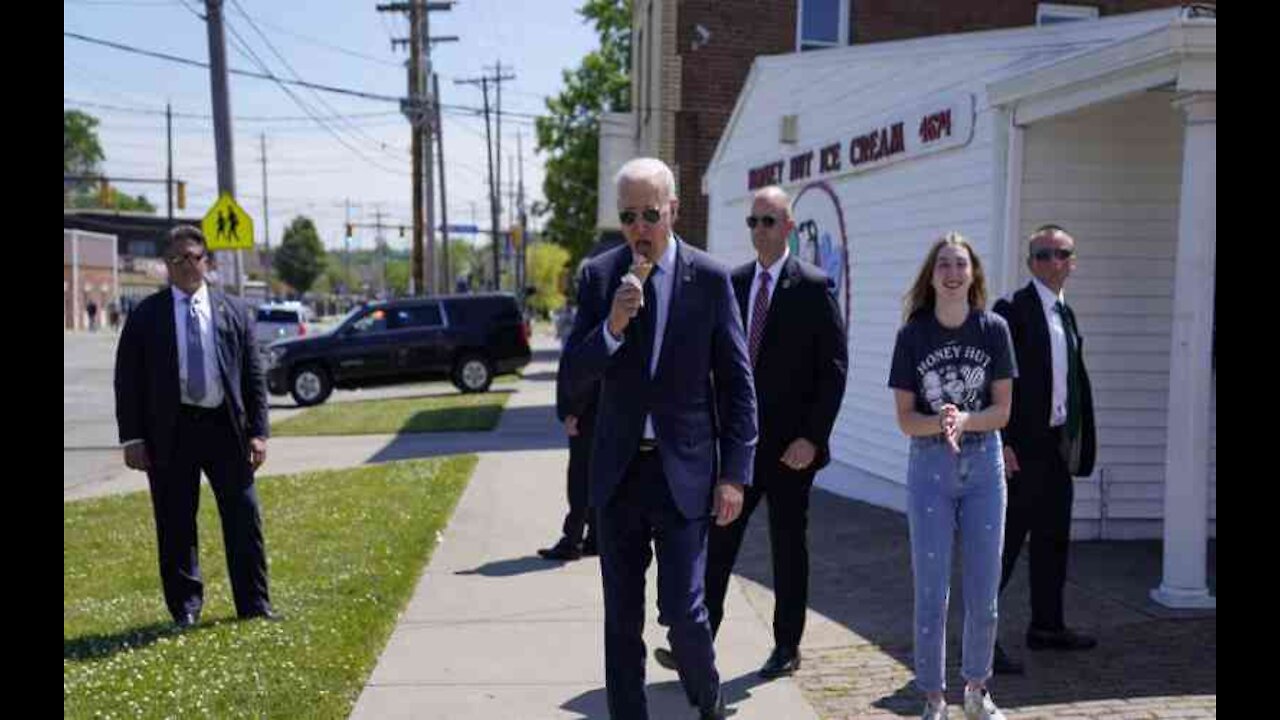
point(766, 220)
point(650, 215)
point(1044, 254)
point(187, 258)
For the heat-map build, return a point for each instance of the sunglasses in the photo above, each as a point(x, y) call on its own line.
point(766, 220)
point(188, 258)
point(650, 215)
point(1044, 254)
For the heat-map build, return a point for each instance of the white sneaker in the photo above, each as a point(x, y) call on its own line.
point(934, 712)
point(978, 705)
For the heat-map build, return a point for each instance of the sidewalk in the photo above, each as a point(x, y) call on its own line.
point(493, 631)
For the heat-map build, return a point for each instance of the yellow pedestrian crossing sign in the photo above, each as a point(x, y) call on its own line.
point(227, 226)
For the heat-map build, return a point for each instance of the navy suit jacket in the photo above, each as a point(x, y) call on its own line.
point(146, 376)
point(701, 395)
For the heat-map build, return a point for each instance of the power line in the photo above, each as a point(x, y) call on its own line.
point(290, 68)
point(265, 76)
point(233, 71)
point(244, 46)
point(207, 116)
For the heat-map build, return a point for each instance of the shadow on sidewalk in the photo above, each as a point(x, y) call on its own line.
point(512, 567)
point(666, 699)
point(860, 579)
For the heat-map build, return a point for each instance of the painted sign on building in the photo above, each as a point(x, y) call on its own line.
point(930, 127)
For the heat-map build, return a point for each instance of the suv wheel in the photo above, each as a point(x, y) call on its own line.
point(472, 374)
point(310, 385)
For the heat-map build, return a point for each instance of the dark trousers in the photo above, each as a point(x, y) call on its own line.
point(205, 440)
point(642, 511)
point(579, 516)
point(787, 493)
point(1040, 498)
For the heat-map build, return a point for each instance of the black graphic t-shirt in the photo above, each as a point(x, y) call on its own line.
point(944, 365)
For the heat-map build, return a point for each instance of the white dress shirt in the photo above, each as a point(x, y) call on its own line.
point(208, 344)
point(774, 271)
point(664, 278)
point(1058, 349)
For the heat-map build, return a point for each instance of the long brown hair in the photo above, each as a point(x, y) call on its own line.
point(922, 296)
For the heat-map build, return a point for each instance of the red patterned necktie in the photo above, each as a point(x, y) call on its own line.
point(758, 314)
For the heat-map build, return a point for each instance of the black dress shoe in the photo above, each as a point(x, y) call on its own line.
point(782, 661)
point(664, 658)
point(1064, 639)
point(717, 712)
point(563, 550)
point(187, 620)
point(1002, 664)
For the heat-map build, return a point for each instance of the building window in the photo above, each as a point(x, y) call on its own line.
point(822, 24)
point(1049, 13)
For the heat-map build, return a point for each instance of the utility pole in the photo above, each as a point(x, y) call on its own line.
point(523, 250)
point(495, 190)
point(418, 108)
point(382, 251)
point(222, 116)
point(346, 248)
point(446, 270)
point(266, 215)
point(168, 125)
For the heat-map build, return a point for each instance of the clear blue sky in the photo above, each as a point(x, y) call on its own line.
point(346, 44)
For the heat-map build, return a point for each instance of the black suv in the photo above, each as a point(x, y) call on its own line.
point(467, 338)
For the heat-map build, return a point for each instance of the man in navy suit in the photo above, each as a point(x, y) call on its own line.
point(675, 432)
point(191, 397)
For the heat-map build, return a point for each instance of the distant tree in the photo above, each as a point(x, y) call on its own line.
point(301, 256)
point(81, 151)
point(546, 268)
point(570, 132)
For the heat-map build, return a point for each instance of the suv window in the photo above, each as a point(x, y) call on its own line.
point(278, 316)
point(372, 322)
point(418, 316)
point(480, 311)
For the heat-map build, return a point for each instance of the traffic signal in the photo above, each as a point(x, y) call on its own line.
point(348, 229)
point(401, 231)
point(182, 195)
point(104, 192)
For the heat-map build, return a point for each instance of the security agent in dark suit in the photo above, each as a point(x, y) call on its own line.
point(798, 347)
point(191, 397)
point(578, 413)
point(1050, 438)
point(675, 431)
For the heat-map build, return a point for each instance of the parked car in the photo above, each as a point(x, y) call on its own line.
point(466, 338)
point(277, 321)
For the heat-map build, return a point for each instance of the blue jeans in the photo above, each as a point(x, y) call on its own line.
point(946, 491)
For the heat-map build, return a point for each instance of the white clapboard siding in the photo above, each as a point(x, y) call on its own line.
point(1112, 176)
point(893, 213)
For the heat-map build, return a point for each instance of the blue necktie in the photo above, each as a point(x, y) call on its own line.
point(195, 354)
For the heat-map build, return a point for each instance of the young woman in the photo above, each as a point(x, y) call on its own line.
point(952, 376)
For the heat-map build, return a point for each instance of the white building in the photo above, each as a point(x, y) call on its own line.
point(1106, 127)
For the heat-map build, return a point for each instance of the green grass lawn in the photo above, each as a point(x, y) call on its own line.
point(441, 413)
point(345, 549)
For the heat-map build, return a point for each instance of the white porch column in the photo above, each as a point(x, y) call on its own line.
point(1186, 490)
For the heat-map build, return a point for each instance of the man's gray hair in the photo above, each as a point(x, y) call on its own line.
point(645, 169)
